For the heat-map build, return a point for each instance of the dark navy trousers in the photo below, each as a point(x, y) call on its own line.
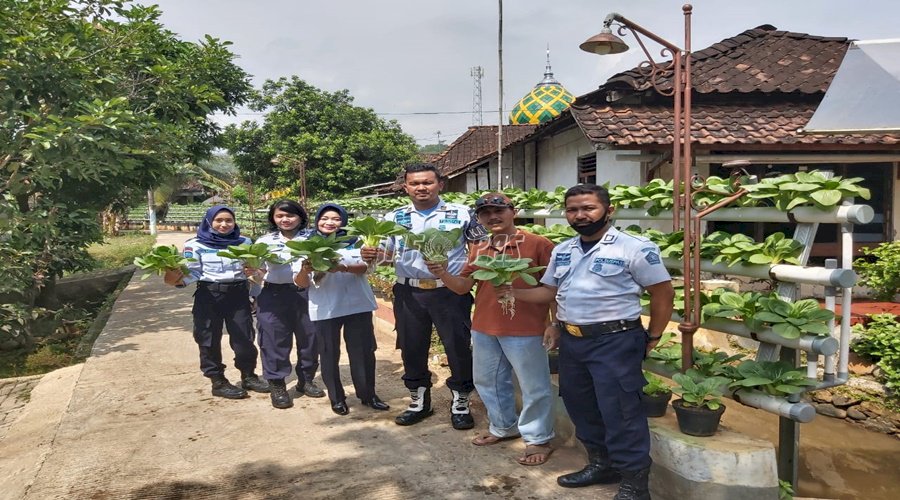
point(359, 337)
point(216, 304)
point(282, 313)
point(415, 312)
point(600, 381)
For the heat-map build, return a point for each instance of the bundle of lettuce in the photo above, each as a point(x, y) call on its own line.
point(161, 259)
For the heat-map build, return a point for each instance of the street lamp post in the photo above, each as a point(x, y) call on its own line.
point(656, 73)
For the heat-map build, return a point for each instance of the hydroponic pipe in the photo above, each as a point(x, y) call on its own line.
point(853, 214)
point(802, 411)
point(846, 301)
point(810, 343)
point(830, 296)
point(781, 272)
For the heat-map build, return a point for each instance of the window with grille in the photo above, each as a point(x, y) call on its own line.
point(587, 169)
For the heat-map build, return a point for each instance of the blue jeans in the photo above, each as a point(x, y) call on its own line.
point(495, 359)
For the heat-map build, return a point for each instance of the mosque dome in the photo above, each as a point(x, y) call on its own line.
point(545, 101)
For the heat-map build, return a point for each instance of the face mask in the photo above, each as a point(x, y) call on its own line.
point(593, 227)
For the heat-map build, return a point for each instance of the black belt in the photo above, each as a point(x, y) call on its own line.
point(283, 285)
point(603, 328)
point(223, 286)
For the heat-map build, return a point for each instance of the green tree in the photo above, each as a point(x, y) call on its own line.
point(97, 102)
point(343, 146)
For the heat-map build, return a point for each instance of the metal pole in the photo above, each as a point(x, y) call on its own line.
point(500, 106)
point(691, 228)
point(151, 212)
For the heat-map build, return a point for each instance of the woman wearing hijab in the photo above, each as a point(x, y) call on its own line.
point(281, 310)
point(344, 300)
point(222, 296)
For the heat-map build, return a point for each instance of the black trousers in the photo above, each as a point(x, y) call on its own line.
point(216, 304)
point(359, 337)
point(282, 312)
point(415, 312)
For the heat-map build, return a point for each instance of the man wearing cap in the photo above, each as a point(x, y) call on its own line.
point(421, 300)
point(597, 279)
point(504, 344)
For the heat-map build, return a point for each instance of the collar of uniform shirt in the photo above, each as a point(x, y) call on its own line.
point(441, 206)
point(611, 235)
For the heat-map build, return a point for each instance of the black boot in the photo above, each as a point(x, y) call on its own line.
point(419, 407)
point(222, 388)
point(460, 417)
point(597, 471)
point(280, 397)
point(635, 485)
point(251, 382)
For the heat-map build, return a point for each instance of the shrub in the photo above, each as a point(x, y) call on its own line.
point(880, 341)
point(48, 358)
point(881, 271)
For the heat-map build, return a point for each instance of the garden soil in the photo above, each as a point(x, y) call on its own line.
point(137, 420)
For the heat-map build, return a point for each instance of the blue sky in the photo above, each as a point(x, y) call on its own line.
point(402, 57)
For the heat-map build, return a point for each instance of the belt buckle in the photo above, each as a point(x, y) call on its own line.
point(574, 330)
point(427, 284)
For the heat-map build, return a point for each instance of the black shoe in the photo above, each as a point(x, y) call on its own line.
point(597, 471)
point(460, 417)
point(222, 388)
point(377, 404)
point(280, 397)
point(310, 389)
point(253, 383)
point(419, 407)
point(340, 408)
point(634, 486)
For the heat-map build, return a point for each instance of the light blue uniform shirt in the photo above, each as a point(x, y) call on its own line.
point(340, 294)
point(279, 273)
point(606, 283)
point(209, 266)
point(410, 263)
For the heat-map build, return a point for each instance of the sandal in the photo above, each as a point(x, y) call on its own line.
point(490, 439)
point(541, 452)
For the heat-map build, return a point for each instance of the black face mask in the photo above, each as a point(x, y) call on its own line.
point(593, 227)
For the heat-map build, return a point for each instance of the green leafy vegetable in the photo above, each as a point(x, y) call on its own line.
point(775, 378)
point(161, 259)
point(706, 393)
point(321, 252)
point(503, 270)
point(434, 244)
point(372, 232)
point(252, 255)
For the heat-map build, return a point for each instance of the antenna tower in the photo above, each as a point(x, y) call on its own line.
point(477, 73)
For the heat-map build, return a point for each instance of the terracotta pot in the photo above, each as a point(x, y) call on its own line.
point(696, 421)
point(655, 405)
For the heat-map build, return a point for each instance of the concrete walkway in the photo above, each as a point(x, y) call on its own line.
point(136, 420)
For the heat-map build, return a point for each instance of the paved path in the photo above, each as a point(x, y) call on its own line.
point(14, 395)
point(136, 420)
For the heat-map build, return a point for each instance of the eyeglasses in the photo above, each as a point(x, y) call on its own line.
point(493, 200)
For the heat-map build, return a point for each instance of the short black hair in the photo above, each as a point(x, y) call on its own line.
point(422, 167)
point(600, 192)
point(291, 207)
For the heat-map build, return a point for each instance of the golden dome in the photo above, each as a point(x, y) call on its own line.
point(545, 101)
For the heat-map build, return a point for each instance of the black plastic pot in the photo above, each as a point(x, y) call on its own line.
point(655, 405)
point(696, 421)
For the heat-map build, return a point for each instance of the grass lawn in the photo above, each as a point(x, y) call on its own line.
point(121, 250)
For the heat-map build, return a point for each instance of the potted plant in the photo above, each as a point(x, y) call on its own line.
point(655, 396)
point(700, 407)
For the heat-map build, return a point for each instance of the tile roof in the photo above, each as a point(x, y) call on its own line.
point(473, 146)
point(757, 121)
point(477, 144)
point(762, 59)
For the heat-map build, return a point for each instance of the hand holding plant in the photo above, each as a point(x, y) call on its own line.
point(434, 244)
point(161, 260)
point(252, 255)
point(503, 270)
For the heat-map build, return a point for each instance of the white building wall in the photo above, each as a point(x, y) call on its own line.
point(557, 159)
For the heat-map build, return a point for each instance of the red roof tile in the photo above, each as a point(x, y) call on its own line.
point(750, 122)
point(761, 59)
point(477, 144)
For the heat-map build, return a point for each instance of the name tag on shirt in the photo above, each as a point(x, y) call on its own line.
point(598, 263)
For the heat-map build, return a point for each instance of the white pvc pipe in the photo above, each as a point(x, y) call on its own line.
point(846, 300)
point(830, 294)
point(810, 343)
point(812, 366)
point(780, 272)
point(854, 214)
